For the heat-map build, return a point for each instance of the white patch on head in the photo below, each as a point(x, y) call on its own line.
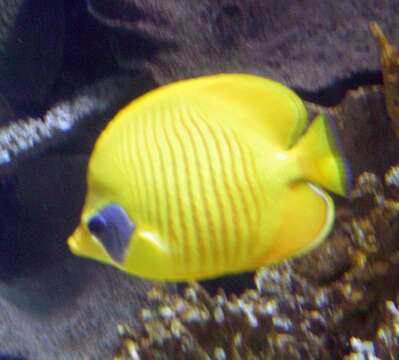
point(152, 238)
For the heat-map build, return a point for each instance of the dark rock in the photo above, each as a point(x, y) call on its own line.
point(305, 44)
point(236, 284)
point(31, 44)
point(10, 357)
point(365, 130)
point(91, 301)
point(70, 126)
point(87, 55)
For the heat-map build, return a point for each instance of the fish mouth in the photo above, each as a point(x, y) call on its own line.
point(79, 244)
point(82, 244)
point(72, 245)
point(74, 242)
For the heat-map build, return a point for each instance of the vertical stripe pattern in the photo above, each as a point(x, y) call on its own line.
point(197, 186)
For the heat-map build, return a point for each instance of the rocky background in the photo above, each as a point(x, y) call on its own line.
point(67, 66)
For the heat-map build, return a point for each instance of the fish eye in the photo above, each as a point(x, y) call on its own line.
point(113, 228)
point(97, 225)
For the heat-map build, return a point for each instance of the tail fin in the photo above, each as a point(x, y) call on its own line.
point(321, 157)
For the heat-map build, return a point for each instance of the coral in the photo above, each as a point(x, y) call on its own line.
point(392, 181)
point(389, 57)
point(385, 344)
point(198, 326)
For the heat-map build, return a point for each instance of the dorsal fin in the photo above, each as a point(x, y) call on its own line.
point(264, 106)
point(271, 108)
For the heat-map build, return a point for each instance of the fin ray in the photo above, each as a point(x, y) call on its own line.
point(322, 159)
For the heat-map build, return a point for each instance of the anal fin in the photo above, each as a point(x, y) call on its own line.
point(307, 218)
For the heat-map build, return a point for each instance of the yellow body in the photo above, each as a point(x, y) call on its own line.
point(216, 176)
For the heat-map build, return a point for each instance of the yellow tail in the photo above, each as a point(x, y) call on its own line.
point(321, 158)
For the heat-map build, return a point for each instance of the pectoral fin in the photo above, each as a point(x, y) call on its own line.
point(149, 257)
point(308, 216)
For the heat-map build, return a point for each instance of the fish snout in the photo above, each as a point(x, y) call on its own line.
point(75, 241)
point(82, 243)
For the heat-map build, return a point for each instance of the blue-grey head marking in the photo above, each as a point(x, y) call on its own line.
point(113, 228)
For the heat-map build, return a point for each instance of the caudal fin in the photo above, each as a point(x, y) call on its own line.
point(322, 159)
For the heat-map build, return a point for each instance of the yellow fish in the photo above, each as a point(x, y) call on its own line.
point(209, 176)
